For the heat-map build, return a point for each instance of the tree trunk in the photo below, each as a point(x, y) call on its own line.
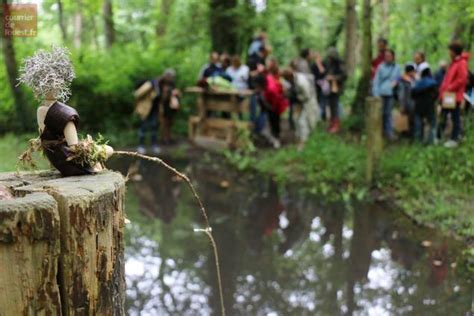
point(77, 41)
point(29, 254)
point(363, 86)
point(334, 37)
point(61, 22)
point(22, 114)
point(297, 41)
point(224, 26)
point(165, 10)
point(374, 137)
point(385, 13)
point(95, 33)
point(62, 245)
point(108, 23)
point(351, 36)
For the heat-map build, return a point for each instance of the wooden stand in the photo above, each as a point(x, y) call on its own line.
point(374, 135)
point(61, 245)
point(213, 132)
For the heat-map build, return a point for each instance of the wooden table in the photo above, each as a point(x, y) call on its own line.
point(210, 128)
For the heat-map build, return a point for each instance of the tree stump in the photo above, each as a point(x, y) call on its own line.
point(374, 135)
point(61, 245)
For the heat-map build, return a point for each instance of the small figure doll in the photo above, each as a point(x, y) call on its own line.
point(49, 75)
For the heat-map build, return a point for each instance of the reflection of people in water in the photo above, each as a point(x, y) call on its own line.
point(439, 265)
point(296, 228)
point(157, 193)
point(263, 215)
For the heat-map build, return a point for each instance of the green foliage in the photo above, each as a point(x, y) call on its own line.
point(243, 157)
point(11, 147)
point(433, 184)
point(331, 167)
point(421, 25)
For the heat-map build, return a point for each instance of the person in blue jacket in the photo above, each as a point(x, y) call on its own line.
point(385, 81)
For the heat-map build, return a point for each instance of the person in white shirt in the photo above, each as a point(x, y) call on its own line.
point(307, 110)
point(420, 63)
point(239, 73)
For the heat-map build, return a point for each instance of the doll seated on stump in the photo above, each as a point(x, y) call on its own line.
point(49, 74)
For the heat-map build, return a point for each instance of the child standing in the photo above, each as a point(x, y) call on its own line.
point(425, 93)
point(405, 99)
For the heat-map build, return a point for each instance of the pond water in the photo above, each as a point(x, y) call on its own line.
point(281, 252)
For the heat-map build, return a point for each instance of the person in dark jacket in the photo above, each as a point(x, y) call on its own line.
point(256, 64)
point(335, 75)
point(441, 72)
point(425, 93)
point(169, 103)
point(321, 84)
point(213, 69)
point(405, 99)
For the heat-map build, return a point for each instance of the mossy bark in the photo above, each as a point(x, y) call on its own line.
point(62, 241)
point(374, 136)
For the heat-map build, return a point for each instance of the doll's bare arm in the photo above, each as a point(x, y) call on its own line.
point(70, 133)
point(40, 116)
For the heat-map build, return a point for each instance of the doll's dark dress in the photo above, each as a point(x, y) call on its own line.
point(54, 143)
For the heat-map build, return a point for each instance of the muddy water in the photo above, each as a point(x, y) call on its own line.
point(282, 252)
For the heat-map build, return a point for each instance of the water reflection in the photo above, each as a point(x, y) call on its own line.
point(281, 252)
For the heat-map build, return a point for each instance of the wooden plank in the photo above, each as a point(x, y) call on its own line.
point(192, 126)
point(210, 142)
point(213, 104)
point(223, 123)
point(199, 90)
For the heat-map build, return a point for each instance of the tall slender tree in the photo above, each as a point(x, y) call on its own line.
point(61, 21)
point(22, 115)
point(363, 86)
point(78, 20)
point(385, 14)
point(336, 33)
point(224, 25)
point(109, 29)
point(351, 36)
point(165, 10)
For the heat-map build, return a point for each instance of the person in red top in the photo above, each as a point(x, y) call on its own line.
point(382, 45)
point(455, 82)
point(275, 98)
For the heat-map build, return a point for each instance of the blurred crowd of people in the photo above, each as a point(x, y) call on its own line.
point(426, 98)
point(310, 86)
point(306, 86)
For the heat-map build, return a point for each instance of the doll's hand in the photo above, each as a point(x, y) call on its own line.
point(109, 151)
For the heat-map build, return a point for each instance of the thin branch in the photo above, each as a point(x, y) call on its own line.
point(207, 230)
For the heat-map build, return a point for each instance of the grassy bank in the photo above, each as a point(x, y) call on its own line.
point(11, 146)
point(432, 184)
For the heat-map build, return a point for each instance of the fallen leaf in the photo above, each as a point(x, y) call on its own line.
point(224, 184)
point(426, 243)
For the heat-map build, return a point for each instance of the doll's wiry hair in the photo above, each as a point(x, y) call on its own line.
point(48, 73)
